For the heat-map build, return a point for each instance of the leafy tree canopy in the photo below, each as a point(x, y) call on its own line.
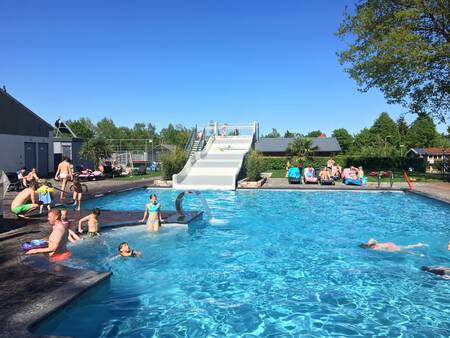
point(385, 130)
point(314, 133)
point(301, 147)
point(273, 134)
point(344, 138)
point(289, 134)
point(96, 149)
point(106, 128)
point(402, 126)
point(83, 127)
point(403, 49)
point(176, 135)
point(422, 132)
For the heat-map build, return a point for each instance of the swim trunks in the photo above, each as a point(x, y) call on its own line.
point(22, 208)
point(93, 234)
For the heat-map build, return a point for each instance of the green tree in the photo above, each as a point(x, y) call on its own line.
point(402, 126)
point(422, 132)
point(83, 127)
point(385, 132)
point(176, 135)
point(301, 147)
point(314, 133)
point(289, 134)
point(106, 128)
point(95, 150)
point(364, 145)
point(273, 134)
point(344, 138)
point(173, 163)
point(254, 165)
point(403, 49)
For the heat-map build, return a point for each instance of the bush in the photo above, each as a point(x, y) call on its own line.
point(172, 163)
point(254, 165)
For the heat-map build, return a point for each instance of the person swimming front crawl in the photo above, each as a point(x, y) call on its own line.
point(389, 246)
point(153, 209)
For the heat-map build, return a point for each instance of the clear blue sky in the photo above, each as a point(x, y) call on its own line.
point(184, 61)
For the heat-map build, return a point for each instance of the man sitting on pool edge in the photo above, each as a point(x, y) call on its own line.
point(389, 246)
point(57, 241)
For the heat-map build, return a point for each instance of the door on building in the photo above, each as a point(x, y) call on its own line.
point(42, 159)
point(30, 155)
point(67, 151)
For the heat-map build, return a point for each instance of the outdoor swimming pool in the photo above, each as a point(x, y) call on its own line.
point(269, 263)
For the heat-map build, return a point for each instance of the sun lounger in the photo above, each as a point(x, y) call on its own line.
point(294, 176)
point(310, 176)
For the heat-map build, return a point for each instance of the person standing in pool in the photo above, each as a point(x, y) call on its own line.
point(57, 241)
point(153, 210)
point(64, 173)
point(93, 225)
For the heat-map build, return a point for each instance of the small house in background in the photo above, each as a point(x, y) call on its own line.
point(25, 138)
point(433, 157)
point(67, 144)
point(277, 146)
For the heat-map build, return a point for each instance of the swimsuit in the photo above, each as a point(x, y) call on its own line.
point(77, 188)
point(153, 208)
point(93, 234)
point(21, 208)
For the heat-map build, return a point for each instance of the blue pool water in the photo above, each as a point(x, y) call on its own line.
point(268, 263)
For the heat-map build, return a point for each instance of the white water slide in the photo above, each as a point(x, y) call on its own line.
point(217, 166)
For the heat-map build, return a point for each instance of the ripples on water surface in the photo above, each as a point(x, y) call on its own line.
point(269, 263)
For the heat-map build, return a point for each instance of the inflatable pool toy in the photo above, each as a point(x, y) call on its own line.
point(34, 244)
point(60, 257)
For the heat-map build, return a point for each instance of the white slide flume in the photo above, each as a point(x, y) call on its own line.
point(217, 166)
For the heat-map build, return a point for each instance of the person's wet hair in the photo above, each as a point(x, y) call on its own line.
point(95, 211)
point(121, 245)
point(153, 195)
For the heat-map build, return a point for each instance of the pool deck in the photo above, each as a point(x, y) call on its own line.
point(31, 288)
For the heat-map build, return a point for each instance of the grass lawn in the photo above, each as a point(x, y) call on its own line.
point(149, 174)
point(398, 176)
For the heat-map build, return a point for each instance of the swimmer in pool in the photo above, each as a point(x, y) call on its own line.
point(389, 246)
point(125, 251)
point(153, 210)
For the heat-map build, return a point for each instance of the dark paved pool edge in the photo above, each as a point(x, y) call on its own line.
point(20, 324)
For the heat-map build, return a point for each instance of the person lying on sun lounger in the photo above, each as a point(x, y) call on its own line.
point(310, 176)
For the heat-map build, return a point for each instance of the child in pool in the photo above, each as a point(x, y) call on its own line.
point(73, 237)
point(125, 251)
point(93, 224)
point(45, 195)
point(77, 192)
point(153, 210)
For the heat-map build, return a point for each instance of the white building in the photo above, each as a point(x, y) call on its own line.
point(25, 138)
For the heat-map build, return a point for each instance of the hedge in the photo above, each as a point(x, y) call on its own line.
point(368, 163)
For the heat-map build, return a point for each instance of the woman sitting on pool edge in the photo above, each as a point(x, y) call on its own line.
point(389, 246)
point(153, 209)
point(125, 251)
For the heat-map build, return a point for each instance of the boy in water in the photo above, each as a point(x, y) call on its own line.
point(93, 225)
point(73, 237)
point(125, 251)
point(153, 210)
point(389, 246)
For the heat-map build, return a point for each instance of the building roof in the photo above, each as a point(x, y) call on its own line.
point(433, 151)
point(280, 144)
point(16, 119)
